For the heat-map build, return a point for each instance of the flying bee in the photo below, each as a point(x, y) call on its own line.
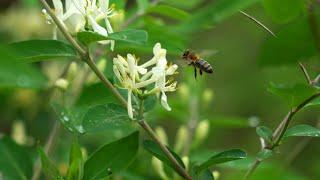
point(197, 62)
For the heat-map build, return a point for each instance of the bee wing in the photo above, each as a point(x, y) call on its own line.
point(208, 52)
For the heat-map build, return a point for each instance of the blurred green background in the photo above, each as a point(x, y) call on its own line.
point(234, 99)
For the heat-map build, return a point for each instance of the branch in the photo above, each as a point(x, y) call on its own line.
point(305, 72)
point(85, 56)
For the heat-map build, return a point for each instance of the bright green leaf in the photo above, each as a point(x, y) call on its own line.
point(303, 130)
point(49, 169)
point(264, 154)
point(129, 36)
point(230, 155)
point(112, 158)
point(106, 117)
point(75, 171)
point(15, 162)
point(169, 11)
point(293, 95)
point(39, 50)
point(155, 150)
point(265, 133)
point(294, 42)
point(284, 11)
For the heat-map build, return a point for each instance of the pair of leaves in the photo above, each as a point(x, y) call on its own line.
point(110, 158)
point(39, 50)
point(93, 119)
point(15, 161)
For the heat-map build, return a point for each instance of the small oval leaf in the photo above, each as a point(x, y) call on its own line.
point(303, 130)
point(265, 133)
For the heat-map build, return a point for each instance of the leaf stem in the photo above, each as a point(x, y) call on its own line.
point(306, 74)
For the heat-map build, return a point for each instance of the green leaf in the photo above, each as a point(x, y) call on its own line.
point(155, 150)
point(75, 171)
point(15, 162)
point(214, 13)
point(285, 10)
point(49, 169)
point(106, 117)
point(130, 36)
point(294, 42)
point(39, 50)
point(293, 95)
point(265, 133)
point(169, 11)
point(230, 155)
point(264, 154)
point(70, 117)
point(303, 130)
point(204, 175)
point(142, 5)
point(14, 74)
point(112, 158)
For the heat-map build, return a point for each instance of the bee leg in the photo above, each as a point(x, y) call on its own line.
point(195, 72)
point(200, 72)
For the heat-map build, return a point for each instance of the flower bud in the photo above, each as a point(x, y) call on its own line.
point(18, 133)
point(72, 71)
point(162, 135)
point(158, 167)
point(185, 160)
point(62, 84)
point(181, 138)
point(216, 175)
point(207, 95)
point(253, 121)
point(201, 133)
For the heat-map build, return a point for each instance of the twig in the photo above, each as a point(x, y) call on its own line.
point(173, 160)
point(258, 22)
point(280, 131)
point(85, 56)
point(305, 72)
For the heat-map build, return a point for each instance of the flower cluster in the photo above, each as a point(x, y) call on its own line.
point(135, 78)
point(80, 14)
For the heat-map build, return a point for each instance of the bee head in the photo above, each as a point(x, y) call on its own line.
point(185, 53)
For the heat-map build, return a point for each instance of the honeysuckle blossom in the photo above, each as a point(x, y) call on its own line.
point(81, 14)
point(135, 78)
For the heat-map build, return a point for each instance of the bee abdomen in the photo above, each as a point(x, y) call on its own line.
point(204, 66)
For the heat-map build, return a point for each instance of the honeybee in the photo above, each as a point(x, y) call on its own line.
point(197, 62)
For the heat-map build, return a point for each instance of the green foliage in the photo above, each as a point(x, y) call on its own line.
point(214, 13)
point(75, 171)
point(39, 50)
point(169, 11)
point(130, 36)
point(112, 158)
point(204, 175)
point(264, 154)
point(14, 74)
point(155, 150)
point(265, 133)
point(293, 95)
point(304, 130)
point(84, 119)
point(285, 10)
point(142, 5)
point(294, 42)
point(225, 156)
point(15, 161)
point(49, 169)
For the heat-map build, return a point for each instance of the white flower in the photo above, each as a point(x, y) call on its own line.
point(78, 13)
point(135, 78)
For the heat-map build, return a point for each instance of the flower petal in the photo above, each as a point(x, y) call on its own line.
point(164, 102)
